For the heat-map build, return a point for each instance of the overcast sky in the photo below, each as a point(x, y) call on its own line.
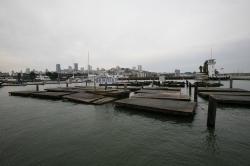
point(161, 35)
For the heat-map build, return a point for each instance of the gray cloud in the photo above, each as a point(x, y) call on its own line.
point(160, 35)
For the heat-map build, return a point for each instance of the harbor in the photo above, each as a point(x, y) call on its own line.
point(86, 122)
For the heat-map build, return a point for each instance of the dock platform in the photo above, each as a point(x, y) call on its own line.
point(157, 91)
point(50, 95)
point(207, 94)
point(83, 97)
point(22, 93)
point(158, 105)
point(229, 99)
point(221, 90)
point(170, 96)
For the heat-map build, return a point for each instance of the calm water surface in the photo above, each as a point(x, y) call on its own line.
point(46, 132)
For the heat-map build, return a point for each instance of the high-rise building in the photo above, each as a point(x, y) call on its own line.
point(177, 72)
point(75, 66)
point(89, 68)
point(70, 69)
point(27, 70)
point(133, 68)
point(139, 67)
point(58, 68)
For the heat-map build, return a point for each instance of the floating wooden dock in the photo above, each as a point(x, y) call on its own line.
point(88, 98)
point(50, 95)
point(162, 88)
point(229, 99)
point(169, 96)
point(69, 89)
point(158, 105)
point(157, 91)
point(221, 90)
point(207, 94)
point(22, 93)
point(111, 93)
point(223, 99)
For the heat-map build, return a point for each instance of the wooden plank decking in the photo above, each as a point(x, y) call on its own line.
point(221, 90)
point(207, 94)
point(83, 97)
point(169, 96)
point(157, 91)
point(229, 99)
point(50, 95)
point(158, 105)
point(22, 93)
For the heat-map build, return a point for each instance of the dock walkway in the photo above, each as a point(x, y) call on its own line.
point(159, 105)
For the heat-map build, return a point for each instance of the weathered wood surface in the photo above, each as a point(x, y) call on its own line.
point(221, 90)
point(66, 89)
point(226, 99)
point(162, 88)
point(170, 96)
point(50, 95)
point(83, 97)
point(157, 91)
point(111, 93)
point(158, 105)
point(22, 93)
point(207, 94)
point(104, 100)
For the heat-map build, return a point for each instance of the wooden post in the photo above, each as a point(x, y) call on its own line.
point(186, 83)
point(106, 85)
point(231, 83)
point(195, 92)
point(190, 89)
point(67, 85)
point(37, 87)
point(211, 113)
point(86, 83)
point(94, 83)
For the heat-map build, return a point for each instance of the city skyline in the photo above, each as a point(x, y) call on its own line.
point(160, 35)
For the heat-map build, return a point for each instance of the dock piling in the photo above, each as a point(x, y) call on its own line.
point(67, 85)
point(195, 92)
point(211, 114)
point(190, 89)
point(231, 83)
point(106, 85)
point(37, 87)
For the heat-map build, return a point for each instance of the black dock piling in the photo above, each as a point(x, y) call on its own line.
point(37, 87)
point(190, 89)
point(231, 83)
point(67, 85)
point(195, 92)
point(211, 114)
point(106, 85)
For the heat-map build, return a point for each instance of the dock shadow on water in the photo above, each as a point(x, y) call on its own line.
point(156, 115)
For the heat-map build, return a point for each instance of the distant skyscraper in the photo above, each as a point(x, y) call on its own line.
point(75, 66)
point(139, 67)
point(27, 70)
point(89, 68)
point(58, 68)
point(177, 72)
point(70, 68)
point(133, 68)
